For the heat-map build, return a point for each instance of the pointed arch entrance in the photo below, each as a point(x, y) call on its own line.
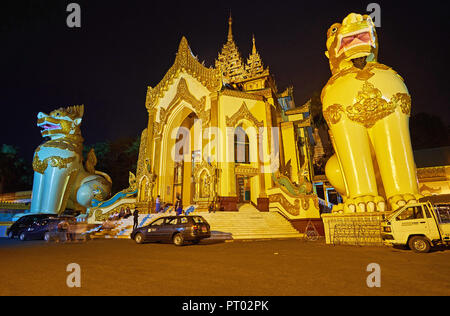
point(178, 154)
point(246, 135)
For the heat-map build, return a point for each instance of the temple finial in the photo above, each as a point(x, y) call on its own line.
point(230, 29)
point(254, 45)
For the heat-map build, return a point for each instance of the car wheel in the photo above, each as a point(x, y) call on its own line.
point(419, 244)
point(11, 235)
point(139, 238)
point(178, 240)
point(196, 241)
point(47, 237)
point(23, 237)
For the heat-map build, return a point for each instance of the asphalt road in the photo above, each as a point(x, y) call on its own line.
point(261, 268)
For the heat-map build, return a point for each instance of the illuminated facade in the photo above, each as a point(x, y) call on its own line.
point(225, 135)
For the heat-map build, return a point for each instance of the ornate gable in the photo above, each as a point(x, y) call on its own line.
point(182, 94)
point(243, 113)
point(184, 62)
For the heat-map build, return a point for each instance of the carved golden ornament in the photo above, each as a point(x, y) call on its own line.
point(64, 144)
point(332, 114)
point(242, 95)
point(205, 176)
point(184, 62)
point(141, 167)
point(200, 167)
point(366, 73)
point(435, 173)
point(293, 209)
point(243, 113)
point(183, 94)
point(132, 183)
point(369, 107)
point(425, 188)
point(246, 170)
point(303, 123)
point(100, 195)
point(56, 162)
point(199, 106)
point(403, 100)
point(305, 204)
point(74, 112)
point(360, 74)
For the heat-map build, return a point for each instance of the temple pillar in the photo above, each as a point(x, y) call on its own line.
point(290, 148)
point(262, 200)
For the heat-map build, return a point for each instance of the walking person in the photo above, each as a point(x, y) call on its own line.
point(122, 213)
point(158, 204)
point(136, 219)
point(178, 206)
point(63, 231)
point(127, 213)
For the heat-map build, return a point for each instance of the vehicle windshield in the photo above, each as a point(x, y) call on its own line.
point(443, 212)
point(413, 212)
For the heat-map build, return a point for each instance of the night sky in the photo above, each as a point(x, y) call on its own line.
point(124, 46)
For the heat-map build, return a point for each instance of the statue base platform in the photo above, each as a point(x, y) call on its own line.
point(357, 229)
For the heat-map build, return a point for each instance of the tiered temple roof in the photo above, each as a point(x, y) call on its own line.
point(233, 68)
point(255, 66)
point(229, 61)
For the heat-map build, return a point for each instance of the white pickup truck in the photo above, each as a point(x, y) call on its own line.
point(420, 226)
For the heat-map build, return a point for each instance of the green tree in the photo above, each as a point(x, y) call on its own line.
point(117, 158)
point(15, 174)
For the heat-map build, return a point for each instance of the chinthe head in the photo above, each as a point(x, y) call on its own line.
point(63, 122)
point(352, 42)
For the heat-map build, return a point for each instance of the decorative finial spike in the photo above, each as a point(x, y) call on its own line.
point(184, 42)
point(230, 28)
point(184, 46)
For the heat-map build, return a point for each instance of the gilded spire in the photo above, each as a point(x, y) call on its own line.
point(230, 29)
point(254, 45)
point(229, 60)
point(255, 65)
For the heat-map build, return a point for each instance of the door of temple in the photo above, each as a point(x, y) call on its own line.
point(243, 189)
point(178, 181)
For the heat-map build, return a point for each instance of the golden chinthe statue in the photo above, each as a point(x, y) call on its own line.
point(60, 179)
point(367, 107)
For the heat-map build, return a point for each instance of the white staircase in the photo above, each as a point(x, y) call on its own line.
point(249, 223)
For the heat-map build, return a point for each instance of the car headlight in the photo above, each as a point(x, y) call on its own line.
point(30, 229)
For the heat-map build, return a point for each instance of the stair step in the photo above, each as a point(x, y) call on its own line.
point(248, 223)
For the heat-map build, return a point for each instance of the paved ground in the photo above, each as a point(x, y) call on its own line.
point(266, 268)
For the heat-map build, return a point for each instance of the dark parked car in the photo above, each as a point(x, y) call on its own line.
point(44, 228)
point(176, 229)
point(24, 222)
